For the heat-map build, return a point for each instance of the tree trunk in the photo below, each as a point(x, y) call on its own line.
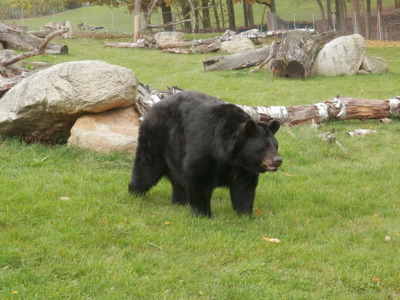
point(231, 15)
point(341, 15)
point(28, 41)
point(295, 56)
point(397, 6)
point(368, 20)
point(321, 9)
point(186, 14)
point(167, 16)
point(356, 16)
point(236, 61)
point(339, 108)
point(215, 8)
point(245, 14)
point(379, 17)
point(206, 14)
point(136, 19)
point(251, 15)
point(329, 13)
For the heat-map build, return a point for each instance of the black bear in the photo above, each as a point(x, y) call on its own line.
point(200, 142)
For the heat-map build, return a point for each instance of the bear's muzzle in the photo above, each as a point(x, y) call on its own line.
point(272, 165)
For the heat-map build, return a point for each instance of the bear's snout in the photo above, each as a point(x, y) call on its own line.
point(272, 164)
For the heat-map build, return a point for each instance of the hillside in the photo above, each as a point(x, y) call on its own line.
point(120, 20)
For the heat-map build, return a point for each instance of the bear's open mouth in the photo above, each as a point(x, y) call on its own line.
point(272, 169)
point(269, 167)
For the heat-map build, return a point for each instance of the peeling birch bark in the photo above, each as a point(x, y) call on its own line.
point(339, 108)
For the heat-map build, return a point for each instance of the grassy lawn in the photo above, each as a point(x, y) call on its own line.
point(70, 230)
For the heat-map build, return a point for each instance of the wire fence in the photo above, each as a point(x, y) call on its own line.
point(377, 26)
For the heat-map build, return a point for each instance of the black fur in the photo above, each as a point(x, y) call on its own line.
point(200, 143)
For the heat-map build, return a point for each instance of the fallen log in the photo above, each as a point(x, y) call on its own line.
point(123, 45)
point(28, 41)
point(236, 61)
point(177, 50)
point(339, 108)
point(39, 50)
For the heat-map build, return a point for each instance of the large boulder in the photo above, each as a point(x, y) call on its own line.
point(341, 56)
point(237, 44)
point(114, 130)
point(163, 38)
point(374, 65)
point(44, 106)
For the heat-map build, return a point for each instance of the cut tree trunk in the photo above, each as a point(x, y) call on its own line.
point(295, 56)
point(236, 61)
point(28, 41)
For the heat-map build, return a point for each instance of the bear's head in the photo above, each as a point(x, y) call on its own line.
point(259, 148)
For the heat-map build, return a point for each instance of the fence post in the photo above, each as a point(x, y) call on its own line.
point(379, 26)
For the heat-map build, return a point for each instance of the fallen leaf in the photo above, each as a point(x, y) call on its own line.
point(387, 238)
point(375, 279)
point(272, 240)
point(257, 212)
point(64, 198)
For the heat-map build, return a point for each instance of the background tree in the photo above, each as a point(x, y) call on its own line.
point(329, 13)
point(248, 13)
point(22, 5)
point(206, 14)
point(269, 3)
point(136, 17)
point(368, 20)
point(321, 8)
point(341, 15)
point(167, 15)
point(356, 15)
point(231, 15)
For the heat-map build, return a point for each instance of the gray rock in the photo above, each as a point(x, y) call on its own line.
point(44, 106)
point(237, 44)
point(168, 37)
point(342, 56)
point(374, 65)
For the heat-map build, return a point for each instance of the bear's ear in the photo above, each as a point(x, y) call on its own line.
point(249, 128)
point(274, 126)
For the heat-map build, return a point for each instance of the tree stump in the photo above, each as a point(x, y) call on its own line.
point(295, 56)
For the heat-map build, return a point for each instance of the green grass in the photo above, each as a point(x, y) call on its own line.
point(331, 209)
